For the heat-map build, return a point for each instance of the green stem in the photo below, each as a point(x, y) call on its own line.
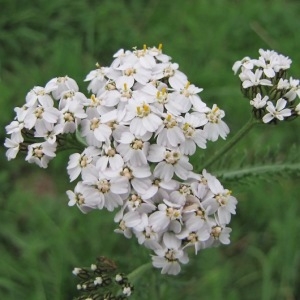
point(135, 274)
point(71, 141)
point(232, 142)
point(271, 168)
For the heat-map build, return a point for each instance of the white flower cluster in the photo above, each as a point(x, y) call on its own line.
point(264, 82)
point(140, 125)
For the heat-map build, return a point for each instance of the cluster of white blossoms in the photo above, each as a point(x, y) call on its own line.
point(139, 126)
point(265, 83)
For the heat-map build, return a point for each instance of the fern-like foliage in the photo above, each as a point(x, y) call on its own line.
point(248, 167)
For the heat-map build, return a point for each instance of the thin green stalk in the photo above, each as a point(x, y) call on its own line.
point(232, 142)
point(271, 168)
point(72, 141)
point(135, 274)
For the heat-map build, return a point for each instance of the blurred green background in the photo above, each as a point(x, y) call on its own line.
point(42, 239)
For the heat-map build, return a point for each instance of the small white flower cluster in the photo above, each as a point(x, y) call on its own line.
point(102, 281)
point(264, 82)
point(48, 114)
point(140, 125)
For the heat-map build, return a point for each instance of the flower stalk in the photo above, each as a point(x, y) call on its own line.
point(232, 142)
point(138, 272)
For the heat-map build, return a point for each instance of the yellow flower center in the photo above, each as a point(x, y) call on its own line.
point(94, 123)
point(127, 173)
point(173, 213)
point(69, 117)
point(172, 157)
point(162, 96)
point(84, 161)
point(216, 232)
point(103, 186)
point(79, 199)
point(170, 255)
point(38, 152)
point(143, 111)
point(39, 112)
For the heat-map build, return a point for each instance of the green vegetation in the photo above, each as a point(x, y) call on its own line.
point(42, 239)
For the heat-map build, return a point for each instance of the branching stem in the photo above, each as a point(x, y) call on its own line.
point(232, 142)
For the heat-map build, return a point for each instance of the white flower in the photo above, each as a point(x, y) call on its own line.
point(268, 55)
point(125, 88)
point(278, 112)
point(133, 150)
point(97, 79)
point(98, 281)
point(194, 214)
point(135, 202)
point(245, 63)
point(278, 61)
point(135, 70)
point(169, 162)
point(15, 128)
point(130, 220)
point(193, 135)
point(77, 197)
point(215, 126)
point(50, 133)
point(41, 116)
point(13, 146)
point(219, 234)
point(70, 96)
point(267, 66)
point(259, 102)
point(62, 85)
point(120, 57)
point(185, 95)
point(253, 79)
point(109, 158)
point(294, 89)
point(79, 162)
point(136, 176)
point(145, 58)
point(167, 212)
point(41, 153)
point(94, 131)
point(39, 96)
point(283, 84)
point(178, 196)
point(170, 134)
point(146, 235)
point(283, 63)
point(21, 113)
point(157, 53)
point(170, 70)
point(156, 93)
point(157, 185)
point(71, 115)
point(127, 291)
point(195, 238)
point(170, 255)
point(142, 117)
point(107, 191)
point(221, 201)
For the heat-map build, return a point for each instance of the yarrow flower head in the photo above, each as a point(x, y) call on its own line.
point(265, 82)
point(133, 137)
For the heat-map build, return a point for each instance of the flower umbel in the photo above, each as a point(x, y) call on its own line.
point(264, 83)
point(132, 138)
